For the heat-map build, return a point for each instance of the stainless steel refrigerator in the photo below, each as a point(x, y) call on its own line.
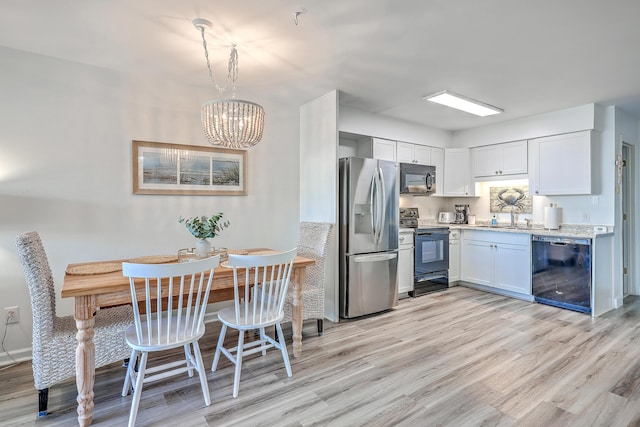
point(368, 203)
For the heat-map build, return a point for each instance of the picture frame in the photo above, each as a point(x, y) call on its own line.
point(163, 168)
point(510, 199)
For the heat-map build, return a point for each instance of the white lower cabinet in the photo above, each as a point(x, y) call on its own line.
point(405, 262)
point(454, 256)
point(513, 268)
point(497, 260)
point(478, 262)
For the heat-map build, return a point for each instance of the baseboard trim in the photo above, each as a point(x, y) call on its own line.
point(497, 291)
point(24, 354)
point(20, 355)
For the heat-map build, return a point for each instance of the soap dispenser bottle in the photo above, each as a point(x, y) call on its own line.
point(494, 221)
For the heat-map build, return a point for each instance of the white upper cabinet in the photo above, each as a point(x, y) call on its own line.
point(457, 173)
point(437, 160)
point(413, 153)
point(404, 152)
point(495, 161)
point(384, 149)
point(561, 164)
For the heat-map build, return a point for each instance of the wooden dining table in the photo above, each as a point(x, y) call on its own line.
point(107, 289)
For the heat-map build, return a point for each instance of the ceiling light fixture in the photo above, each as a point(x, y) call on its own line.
point(231, 123)
point(463, 103)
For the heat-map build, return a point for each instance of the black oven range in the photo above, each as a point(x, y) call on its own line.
point(431, 260)
point(431, 254)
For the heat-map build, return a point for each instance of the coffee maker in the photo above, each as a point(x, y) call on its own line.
point(462, 214)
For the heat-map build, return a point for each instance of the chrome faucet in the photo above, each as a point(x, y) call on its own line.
point(513, 219)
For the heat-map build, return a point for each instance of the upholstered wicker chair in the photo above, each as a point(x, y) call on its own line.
point(312, 243)
point(54, 338)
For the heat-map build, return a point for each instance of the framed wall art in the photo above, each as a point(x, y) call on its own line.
point(510, 199)
point(160, 168)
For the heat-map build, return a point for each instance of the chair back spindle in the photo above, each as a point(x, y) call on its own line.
point(174, 297)
point(265, 279)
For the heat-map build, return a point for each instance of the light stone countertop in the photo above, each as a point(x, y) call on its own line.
point(566, 230)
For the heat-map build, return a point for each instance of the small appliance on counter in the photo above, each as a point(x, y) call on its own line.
point(409, 217)
point(447, 217)
point(462, 214)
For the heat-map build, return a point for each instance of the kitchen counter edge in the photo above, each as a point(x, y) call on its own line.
point(579, 233)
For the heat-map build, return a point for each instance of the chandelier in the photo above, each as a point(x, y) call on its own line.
point(230, 123)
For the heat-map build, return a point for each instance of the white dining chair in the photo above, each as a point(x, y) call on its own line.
point(260, 287)
point(174, 297)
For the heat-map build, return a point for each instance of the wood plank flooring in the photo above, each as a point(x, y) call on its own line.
point(461, 357)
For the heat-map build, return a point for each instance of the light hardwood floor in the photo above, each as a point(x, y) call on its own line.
point(460, 357)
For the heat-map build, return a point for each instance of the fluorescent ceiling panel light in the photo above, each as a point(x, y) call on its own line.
point(463, 103)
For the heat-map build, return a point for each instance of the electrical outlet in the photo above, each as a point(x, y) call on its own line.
point(12, 314)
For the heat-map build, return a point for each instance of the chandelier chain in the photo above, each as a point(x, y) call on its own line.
point(232, 74)
point(231, 123)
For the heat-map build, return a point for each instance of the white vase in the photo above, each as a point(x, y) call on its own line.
point(203, 247)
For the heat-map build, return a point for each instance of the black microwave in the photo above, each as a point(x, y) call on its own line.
point(417, 179)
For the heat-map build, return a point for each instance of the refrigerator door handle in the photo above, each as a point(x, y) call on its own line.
point(375, 206)
point(372, 207)
point(381, 203)
point(375, 257)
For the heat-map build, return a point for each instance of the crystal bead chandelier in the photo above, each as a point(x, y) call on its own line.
point(230, 123)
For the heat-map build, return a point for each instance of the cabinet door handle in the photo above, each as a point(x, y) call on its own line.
point(500, 172)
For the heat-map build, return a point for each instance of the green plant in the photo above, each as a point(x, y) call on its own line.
point(204, 228)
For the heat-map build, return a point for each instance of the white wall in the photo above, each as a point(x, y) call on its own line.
point(355, 121)
point(319, 182)
point(627, 130)
point(554, 123)
point(65, 171)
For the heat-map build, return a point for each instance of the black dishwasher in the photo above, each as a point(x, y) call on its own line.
point(562, 272)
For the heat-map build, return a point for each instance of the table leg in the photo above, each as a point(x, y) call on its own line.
point(85, 357)
point(297, 280)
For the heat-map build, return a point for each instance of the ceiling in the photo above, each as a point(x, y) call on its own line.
point(526, 57)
